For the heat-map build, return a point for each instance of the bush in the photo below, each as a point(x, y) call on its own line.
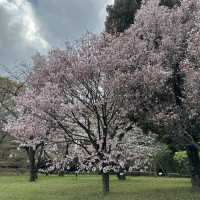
point(163, 161)
point(182, 163)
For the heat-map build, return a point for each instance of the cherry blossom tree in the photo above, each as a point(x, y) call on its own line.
point(161, 51)
point(31, 133)
point(84, 90)
point(140, 150)
point(89, 108)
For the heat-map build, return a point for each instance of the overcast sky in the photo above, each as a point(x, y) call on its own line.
point(28, 26)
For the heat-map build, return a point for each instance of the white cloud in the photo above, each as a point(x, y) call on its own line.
point(20, 16)
point(28, 26)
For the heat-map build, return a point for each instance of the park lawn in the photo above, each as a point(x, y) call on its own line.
point(89, 188)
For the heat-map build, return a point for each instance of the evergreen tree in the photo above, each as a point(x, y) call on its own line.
point(170, 3)
point(122, 14)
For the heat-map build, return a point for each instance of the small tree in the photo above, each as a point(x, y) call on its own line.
point(140, 150)
point(31, 133)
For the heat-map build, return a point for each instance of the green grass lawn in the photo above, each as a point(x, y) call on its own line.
point(89, 188)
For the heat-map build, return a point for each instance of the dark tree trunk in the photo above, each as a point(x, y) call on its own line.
point(38, 164)
point(36, 173)
point(33, 172)
point(61, 173)
point(106, 183)
point(192, 149)
point(193, 156)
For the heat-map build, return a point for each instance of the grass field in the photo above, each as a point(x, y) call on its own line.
point(89, 188)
